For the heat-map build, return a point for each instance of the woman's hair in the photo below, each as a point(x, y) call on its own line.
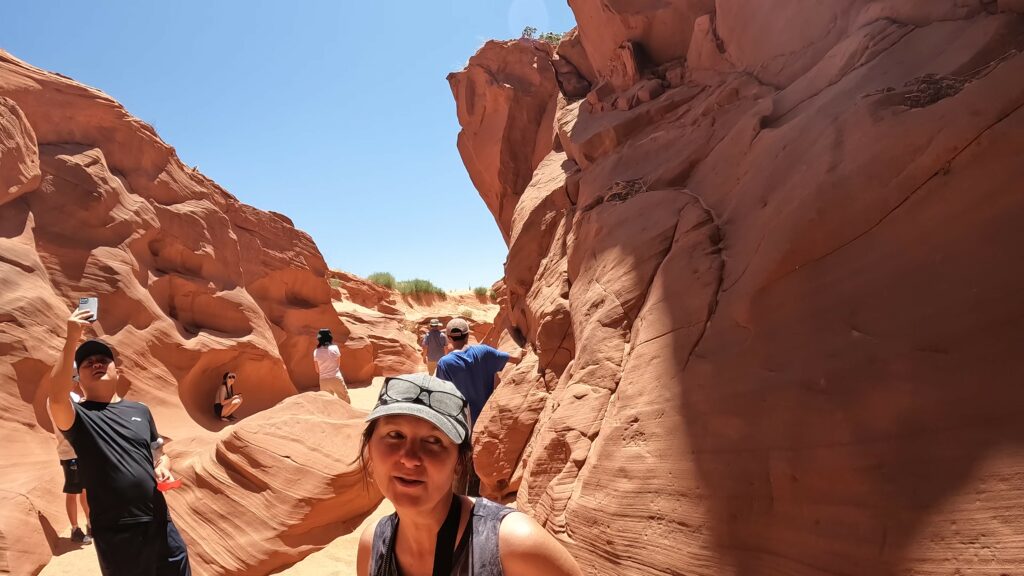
point(224, 379)
point(324, 338)
point(465, 453)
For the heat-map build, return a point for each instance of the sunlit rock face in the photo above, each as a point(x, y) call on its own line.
point(192, 283)
point(770, 282)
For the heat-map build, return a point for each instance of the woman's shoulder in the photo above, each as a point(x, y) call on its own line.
point(364, 553)
point(527, 548)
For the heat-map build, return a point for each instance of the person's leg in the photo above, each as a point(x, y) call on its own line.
point(130, 549)
point(175, 562)
point(72, 507)
point(231, 406)
point(85, 508)
point(431, 367)
point(72, 488)
point(335, 386)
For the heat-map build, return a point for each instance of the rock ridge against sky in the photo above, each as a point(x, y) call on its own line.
point(766, 257)
point(192, 283)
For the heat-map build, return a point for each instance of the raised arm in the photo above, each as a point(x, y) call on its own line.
point(527, 549)
point(60, 377)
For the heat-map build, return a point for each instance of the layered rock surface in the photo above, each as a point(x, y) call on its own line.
point(769, 278)
point(275, 487)
point(192, 283)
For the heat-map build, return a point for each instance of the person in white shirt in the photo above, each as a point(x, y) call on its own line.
point(73, 491)
point(226, 401)
point(328, 357)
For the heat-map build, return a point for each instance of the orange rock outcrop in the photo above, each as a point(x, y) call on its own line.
point(192, 283)
point(275, 487)
point(386, 327)
point(768, 271)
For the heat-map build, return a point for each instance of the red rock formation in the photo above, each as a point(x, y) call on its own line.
point(386, 326)
point(786, 283)
point(505, 100)
point(191, 282)
point(275, 487)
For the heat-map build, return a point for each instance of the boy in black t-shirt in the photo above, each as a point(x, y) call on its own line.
point(132, 530)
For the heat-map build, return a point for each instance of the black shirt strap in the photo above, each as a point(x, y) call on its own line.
point(444, 549)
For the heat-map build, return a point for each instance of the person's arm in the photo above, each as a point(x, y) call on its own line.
point(365, 551)
point(162, 462)
point(60, 377)
point(517, 356)
point(527, 549)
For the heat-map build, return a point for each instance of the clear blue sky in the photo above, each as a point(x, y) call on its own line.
point(335, 113)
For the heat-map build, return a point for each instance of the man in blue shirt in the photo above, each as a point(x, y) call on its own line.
point(472, 369)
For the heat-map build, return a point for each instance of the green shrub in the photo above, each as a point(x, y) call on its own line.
point(419, 287)
point(334, 282)
point(384, 279)
point(480, 291)
point(552, 38)
point(492, 295)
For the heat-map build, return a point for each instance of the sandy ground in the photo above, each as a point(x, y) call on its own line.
point(336, 559)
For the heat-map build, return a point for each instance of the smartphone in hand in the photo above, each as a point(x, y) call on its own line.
point(92, 304)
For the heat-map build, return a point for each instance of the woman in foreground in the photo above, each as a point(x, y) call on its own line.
point(416, 439)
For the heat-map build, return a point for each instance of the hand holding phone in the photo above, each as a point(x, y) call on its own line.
point(92, 304)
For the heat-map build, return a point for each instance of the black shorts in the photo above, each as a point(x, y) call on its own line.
point(218, 409)
point(143, 549)
point(72, 482)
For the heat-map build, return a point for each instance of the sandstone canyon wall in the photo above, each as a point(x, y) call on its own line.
point(192, 283)
point(766, 256)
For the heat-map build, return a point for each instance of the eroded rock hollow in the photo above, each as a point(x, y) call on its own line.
point(192, 283)
point(766, 255)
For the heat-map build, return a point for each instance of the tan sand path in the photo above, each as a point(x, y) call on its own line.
point(336, 559)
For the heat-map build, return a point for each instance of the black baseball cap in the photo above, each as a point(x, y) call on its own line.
point(93, 347)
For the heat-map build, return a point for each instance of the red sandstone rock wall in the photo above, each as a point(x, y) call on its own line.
point(274, 487)
point(192, 283)
point(771, 279)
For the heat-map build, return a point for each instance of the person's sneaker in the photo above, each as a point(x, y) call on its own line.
point(78, 536)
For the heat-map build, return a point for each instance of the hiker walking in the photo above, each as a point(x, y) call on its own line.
point(473, 370)
point(327, 356)
point(434, 345)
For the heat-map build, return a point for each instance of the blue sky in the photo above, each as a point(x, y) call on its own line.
point(335, 113)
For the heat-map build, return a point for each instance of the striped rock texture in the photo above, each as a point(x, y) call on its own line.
point(192, 283)
point(771, 281)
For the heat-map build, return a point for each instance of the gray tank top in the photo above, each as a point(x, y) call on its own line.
point(475, 555)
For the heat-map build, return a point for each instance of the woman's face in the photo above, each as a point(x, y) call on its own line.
point(411, 461)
